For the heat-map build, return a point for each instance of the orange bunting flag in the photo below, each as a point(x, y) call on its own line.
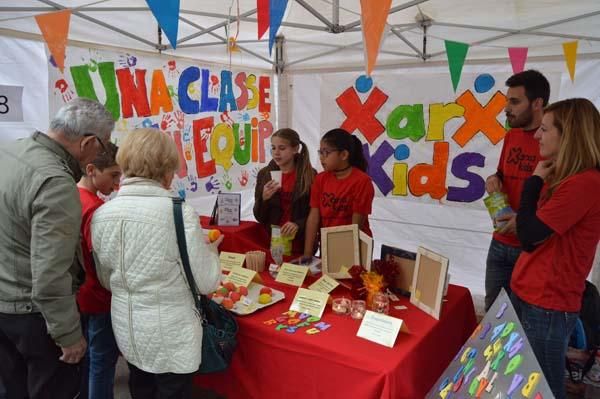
point(373, 18)
point(570, 51)
point(55, 29)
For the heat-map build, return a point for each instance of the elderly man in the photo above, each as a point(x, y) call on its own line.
point(40, 214)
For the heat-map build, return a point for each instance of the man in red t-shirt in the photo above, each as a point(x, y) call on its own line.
point(527, 95)
point(102, 175)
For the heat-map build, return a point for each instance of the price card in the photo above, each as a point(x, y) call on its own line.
point(291, 274)
point(310, 302)
point(240, 276)
point(229, 260)
point(380, 328)
point(325, 284)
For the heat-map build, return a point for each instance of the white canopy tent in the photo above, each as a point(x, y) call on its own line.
point(318, 40)
point(325, 34)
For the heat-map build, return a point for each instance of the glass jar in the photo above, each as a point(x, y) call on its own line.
point(381, 303)
point(358, 309)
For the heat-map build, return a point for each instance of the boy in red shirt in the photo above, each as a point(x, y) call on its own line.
point(102, 175)
point(527, 95)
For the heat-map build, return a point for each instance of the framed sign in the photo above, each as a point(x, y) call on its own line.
point(228, 209)
point(340, 249)
point(428, 282)
point(366, 250)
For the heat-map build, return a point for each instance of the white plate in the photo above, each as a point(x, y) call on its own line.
point(250, 303)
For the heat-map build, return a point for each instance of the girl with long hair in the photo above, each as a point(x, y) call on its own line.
point(558, 224)
point(285, 204)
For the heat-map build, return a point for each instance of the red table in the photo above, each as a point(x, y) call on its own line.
point(336, 363)
point(248, 236)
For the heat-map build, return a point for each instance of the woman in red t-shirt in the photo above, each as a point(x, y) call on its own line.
point(285, 203)
point(558, 224)
point(343, 193)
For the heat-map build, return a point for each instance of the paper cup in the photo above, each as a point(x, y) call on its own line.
point(276, 175)
point(255, 260)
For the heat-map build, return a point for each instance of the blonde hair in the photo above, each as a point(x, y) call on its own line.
point(148, 153)
point(578, 123)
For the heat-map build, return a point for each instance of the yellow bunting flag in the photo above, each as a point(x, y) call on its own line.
point(373, 17)
point(570, 51)
point(55, 29)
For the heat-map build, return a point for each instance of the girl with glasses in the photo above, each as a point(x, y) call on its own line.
point(343, 193)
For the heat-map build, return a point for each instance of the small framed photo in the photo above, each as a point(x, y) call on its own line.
point(405, 261)
point(228, 209)
point(340, 250)
point(429, 278)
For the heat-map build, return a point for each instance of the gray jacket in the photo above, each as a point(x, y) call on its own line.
point(40, 217)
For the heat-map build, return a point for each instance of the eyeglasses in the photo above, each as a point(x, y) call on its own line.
point(325, 152)
point(99, 141)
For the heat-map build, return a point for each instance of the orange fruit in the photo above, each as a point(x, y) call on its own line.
point(227, 303)
point(235, 296)
point(229, 285)
point(213, 235)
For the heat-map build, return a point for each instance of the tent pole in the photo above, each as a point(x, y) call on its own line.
point(224, 40)
point(279, 56)
point(314, 12)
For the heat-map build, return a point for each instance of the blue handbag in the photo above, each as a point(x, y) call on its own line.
point(219, 325)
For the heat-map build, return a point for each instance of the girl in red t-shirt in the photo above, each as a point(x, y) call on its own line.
point(343, 193)
point(558, 224)
point(285, 203)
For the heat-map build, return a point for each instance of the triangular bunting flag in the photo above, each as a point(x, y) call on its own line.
point(373, 16)
point(262, 7)
point(55, 30)
point(276, 12)
point(570, 51)
point(457, 53)
point(166, 13)
point(518, 57)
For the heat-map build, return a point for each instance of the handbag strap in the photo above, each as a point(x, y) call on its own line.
point(185, 260)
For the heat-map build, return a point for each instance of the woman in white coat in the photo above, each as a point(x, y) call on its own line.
point(156, 326)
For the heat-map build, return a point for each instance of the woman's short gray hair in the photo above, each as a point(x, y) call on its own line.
point(83, 116)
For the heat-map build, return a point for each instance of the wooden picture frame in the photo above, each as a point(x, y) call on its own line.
point(365, 250)
point(406, 266)
point(431, 270)
point(340, 247)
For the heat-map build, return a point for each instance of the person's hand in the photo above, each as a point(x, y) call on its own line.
point(215, 244)
point(289, 229)
point(73, 354)
point(544, 168)
point(269, 189)
point(510, 223)
point(493, 184)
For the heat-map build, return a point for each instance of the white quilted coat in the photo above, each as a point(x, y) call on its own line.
point(153, 315)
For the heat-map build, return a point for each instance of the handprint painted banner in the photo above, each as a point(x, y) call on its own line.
point(219, 119)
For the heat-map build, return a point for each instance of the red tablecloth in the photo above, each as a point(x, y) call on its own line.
point(248, 236)
point(336, 363)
